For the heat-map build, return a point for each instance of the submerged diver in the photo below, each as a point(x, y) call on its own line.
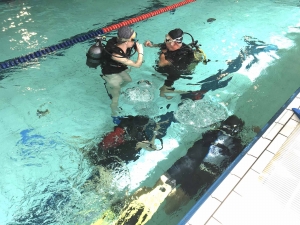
point(204, 161)
point(187, 177)
point(176, 58)
point(131, 135)
point(116, 61)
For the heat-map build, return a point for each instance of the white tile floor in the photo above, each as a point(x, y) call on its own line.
point(264, 187)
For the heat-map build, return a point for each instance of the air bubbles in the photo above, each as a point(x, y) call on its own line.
point(201, 113)
point(144, 92)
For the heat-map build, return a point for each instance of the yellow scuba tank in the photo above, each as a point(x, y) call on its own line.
point(200, 56)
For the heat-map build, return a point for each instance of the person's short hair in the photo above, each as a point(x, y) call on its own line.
point(125, 32)
point(176, 33)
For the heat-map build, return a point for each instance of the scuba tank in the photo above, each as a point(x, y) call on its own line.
point(199, 54)
point(93, 56)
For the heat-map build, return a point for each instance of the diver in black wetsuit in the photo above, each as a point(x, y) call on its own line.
point(175, 58)
point(131, 135)
point(223, 142)
point(188, 176)
point(116, 61)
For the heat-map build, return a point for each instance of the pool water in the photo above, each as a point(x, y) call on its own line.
point(55, 110)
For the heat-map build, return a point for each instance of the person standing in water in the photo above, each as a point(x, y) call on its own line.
point(116, 61)
point(175, 59)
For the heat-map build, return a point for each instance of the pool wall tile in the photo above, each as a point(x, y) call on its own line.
point(273, 130)
point(294, 104)
point(284, 117)
point(205, 211)
point(262, 161)
point(245, 185)
point(225, 212)
point(213, 221)
point(276, 143)
point(259, 147)
point(243, 166)
point(294, 117)
point(289, 128)
point(225, 187)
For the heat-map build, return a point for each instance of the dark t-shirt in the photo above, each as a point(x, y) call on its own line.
point(110, 66)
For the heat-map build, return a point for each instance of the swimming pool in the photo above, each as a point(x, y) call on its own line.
point(56, 109)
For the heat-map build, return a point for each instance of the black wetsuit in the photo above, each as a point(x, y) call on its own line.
point(186, 172)
point(130, 131)
point(110, 66)
point(180, 60)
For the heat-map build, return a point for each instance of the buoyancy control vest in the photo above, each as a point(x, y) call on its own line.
point(180, 58)
point(183, 60)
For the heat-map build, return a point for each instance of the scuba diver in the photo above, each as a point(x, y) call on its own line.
point(126, 140)
point(176, 58)
point(189, 177)
point(114, 60)
point(132, 133)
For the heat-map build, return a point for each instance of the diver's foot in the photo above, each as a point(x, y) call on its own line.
point(117, 119)
point(165, 96)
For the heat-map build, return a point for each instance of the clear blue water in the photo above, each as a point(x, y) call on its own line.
point(44, 164)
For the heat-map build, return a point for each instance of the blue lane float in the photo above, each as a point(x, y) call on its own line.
point(48, 50)
point(72, 41)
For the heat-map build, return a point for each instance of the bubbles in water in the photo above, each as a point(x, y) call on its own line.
point(214, 151)
point(201, 113)
point(146, 108)
point(144, 92)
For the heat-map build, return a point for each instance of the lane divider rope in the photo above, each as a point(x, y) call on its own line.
point(68, 43)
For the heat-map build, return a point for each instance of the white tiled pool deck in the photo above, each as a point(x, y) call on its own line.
point(264, 187)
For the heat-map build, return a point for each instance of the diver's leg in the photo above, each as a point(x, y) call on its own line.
point(126, 78)
point(167, 87)
point(172, 77)
point(113, 85)
point(104, 77)
point(165, 90)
